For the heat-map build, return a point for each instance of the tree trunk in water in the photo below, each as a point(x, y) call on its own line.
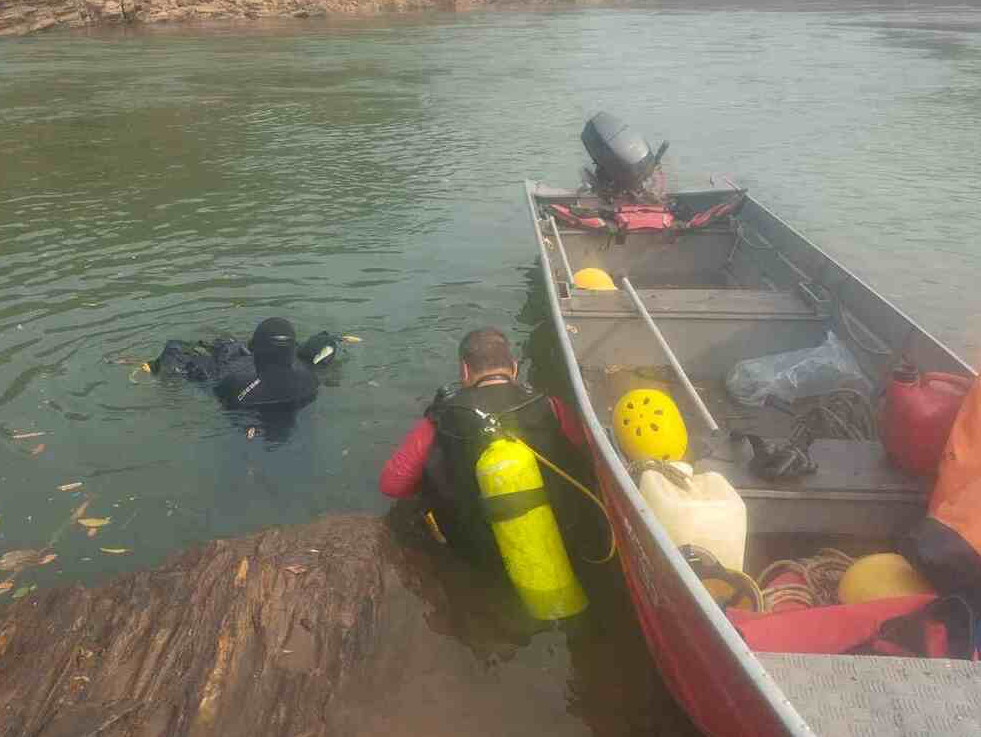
point(330, 628)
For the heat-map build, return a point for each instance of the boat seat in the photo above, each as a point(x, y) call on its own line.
point(865, 695)
point(709, 303)
point(855, 491)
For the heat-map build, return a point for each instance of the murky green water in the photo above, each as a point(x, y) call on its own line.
point(364, 176)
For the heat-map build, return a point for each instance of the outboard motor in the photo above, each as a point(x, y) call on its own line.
point(624, 160)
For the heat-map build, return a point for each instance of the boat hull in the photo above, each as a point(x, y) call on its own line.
point(697, 667)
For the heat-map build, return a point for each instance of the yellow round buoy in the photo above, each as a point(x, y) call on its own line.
point(595, 279)
point(880, 576)
point(648, 426)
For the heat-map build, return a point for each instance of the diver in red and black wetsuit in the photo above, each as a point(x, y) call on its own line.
point(437, 457)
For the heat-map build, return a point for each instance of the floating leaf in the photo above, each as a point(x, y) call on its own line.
point(6, 585)
point(38, 449)
point(94, 521)
point(351, 339)
point(17, 559)
point(27, 435)
point(47, 559)
point(23, 591)
point(116, 551)
point(70, 487)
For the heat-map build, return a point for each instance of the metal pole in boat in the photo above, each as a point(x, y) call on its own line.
point(673, 359)
point(561, 247)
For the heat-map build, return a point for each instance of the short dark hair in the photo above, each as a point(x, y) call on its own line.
point(486, 349)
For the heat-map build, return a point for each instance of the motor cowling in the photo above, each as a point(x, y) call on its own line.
point(624, 160)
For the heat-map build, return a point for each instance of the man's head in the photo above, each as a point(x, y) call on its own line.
point(483, 353)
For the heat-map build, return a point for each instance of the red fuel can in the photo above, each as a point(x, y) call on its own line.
point(917, 417)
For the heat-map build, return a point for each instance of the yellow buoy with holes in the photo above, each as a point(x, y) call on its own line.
point(880, 576)
point(516, 505)
point(648, 426)
point(592, 278)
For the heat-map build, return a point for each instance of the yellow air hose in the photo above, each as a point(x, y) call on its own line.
point(592, 497)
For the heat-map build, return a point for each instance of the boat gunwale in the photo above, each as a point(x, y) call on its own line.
point(862, 283)
point(744, 658)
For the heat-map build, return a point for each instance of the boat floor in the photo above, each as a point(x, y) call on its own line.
point(875, 696)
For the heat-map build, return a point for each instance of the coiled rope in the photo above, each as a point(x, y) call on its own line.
point(821, 574)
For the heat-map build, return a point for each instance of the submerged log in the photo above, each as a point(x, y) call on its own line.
point(330, 628)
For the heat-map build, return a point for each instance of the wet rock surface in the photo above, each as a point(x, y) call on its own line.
point(330, 628)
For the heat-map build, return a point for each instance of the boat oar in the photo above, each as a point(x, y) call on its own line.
point(672, 359)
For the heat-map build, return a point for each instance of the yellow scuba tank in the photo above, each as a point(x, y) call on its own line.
point(516, 506)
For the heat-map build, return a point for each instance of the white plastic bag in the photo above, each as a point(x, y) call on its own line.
point(797, 374)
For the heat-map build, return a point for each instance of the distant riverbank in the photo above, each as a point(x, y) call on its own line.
point(23, 17)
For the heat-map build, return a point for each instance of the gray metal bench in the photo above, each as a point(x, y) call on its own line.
point(855, 491)
point(713, 303)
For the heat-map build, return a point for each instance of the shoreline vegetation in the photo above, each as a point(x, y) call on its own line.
point(25, 17)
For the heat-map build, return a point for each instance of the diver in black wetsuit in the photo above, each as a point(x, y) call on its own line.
point(272, 377)
point(266, 373)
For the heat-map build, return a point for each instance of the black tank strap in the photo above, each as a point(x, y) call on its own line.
point(508, 506)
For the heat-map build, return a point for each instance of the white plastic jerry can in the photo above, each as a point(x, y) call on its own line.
point(706, 512)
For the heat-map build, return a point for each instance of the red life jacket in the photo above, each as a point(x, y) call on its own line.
point(914, 626)
point(707, 217)
point(630, 218)
point(578, 220)
point(639, 218)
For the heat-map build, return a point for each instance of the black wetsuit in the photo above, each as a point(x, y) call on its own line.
point(270, 376)
point(452, 489)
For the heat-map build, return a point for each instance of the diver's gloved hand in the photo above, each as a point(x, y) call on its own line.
point(319, 349)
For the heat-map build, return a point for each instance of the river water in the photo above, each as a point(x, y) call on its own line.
point(364, 176)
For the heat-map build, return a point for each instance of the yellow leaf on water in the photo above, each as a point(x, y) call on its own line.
point(116, 551)
point(70, 487)
point(352, 339)
point(94, 521)
point(47, 559)
point(6, 585)
point(242, 573)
